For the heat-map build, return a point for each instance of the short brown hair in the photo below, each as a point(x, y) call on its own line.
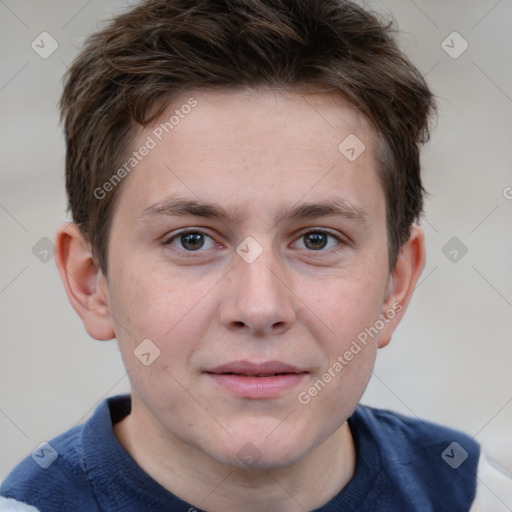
point(127, 74)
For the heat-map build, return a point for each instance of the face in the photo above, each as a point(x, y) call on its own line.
point(252, 252)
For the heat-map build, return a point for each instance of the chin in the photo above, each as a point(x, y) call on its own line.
point(256, 449)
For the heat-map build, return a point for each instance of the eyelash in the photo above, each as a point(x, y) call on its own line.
point(192, 254)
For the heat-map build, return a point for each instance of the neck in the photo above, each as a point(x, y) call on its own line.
point(195, 477)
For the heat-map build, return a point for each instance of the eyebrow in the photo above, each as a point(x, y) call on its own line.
point(182, 207)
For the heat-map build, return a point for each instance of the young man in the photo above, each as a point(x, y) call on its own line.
point(244, 181)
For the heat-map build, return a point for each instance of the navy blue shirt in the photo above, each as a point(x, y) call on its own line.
point(403, 464)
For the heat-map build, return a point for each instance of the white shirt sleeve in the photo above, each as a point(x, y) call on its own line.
point(494, 487)
point(10, 505)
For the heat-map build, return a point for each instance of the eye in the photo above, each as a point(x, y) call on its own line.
point(319, 240)
point(190, 241)
point(194, 240)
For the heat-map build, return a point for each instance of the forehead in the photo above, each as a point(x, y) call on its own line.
point(254, 147)
point(240, 119)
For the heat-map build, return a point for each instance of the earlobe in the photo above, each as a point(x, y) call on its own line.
point(83, 281)
point(402, 282)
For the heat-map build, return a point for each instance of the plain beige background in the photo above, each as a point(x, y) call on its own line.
point(450, 360)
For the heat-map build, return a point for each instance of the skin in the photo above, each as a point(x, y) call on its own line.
point(254, 152)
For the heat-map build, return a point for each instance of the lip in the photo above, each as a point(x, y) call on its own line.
point(257, 380)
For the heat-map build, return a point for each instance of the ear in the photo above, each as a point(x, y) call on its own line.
point(402, 282)
point(85, 284)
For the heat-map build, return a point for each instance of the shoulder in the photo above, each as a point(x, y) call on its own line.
point(53, 475)
point(395, 431)
point(57, 474)
point(429, 465)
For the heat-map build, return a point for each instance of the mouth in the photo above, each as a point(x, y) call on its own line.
point(255, 374)
point(257, 380)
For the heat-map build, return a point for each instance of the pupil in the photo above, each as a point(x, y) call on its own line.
point(192, 241)
point(317, 240)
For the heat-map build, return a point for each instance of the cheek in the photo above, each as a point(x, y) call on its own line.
point(341, 309)
point(146, 307)
point(143, 309)
point(151, 300)
point(168, 308)
point(348, 309)
point(349, 347)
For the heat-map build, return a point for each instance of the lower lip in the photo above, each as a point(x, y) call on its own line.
point(257, 387)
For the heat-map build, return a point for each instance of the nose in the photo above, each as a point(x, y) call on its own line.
point(259, 300)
